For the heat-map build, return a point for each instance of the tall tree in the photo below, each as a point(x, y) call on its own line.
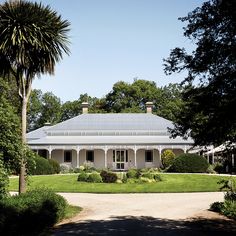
point(32, 40)
point(131, 97)
point(209, 98)
point(170, 101)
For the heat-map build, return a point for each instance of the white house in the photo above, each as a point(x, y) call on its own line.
point(116, 141)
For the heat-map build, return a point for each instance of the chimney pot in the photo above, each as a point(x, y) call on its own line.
point(149, 106)
point(85, 106)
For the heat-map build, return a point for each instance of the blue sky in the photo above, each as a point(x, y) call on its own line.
point(113, 40)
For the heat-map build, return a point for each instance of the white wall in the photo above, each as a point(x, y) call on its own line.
point(99, 157)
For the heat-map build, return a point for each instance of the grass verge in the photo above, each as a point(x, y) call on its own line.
point(72, 211)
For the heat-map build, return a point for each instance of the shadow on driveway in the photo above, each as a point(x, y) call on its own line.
point(129, 225)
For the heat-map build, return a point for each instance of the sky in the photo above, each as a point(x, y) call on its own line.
point(114, 40)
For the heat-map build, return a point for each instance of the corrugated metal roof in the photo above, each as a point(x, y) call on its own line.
point(107, 129)
point(38, 133)
point(114, 122)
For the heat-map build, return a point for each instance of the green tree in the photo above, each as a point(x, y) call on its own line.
point(126, 97)
point(34, 109)
point(10, 138)
point(32, 40)
point(170, 101)
point(71, 109)
point(209, 97)
point(50, 110)
point(131, 98)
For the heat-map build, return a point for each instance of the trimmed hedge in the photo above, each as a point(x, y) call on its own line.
point(189, 163)
point(41, 167)
point(31, 212)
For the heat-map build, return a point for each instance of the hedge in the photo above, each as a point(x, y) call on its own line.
point(189, 163)
point(42, 166)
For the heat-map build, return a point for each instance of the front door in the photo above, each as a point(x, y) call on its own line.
point(120, 157)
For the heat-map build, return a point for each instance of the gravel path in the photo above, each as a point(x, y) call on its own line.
point(145, 214)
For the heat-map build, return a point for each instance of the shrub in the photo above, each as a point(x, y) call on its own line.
point(77, 170)
point(230, 187)
point(31, 212)
point(124, 178)
point(152, 176)
point(218, 167)
point(42, 167)
point(83, 177)
point(94, 178)
point(4, 180)
point(64, 168)
point(108, 177)
point(55, 166)
point(210, 169)
point(167, 158)
point(189, 163)
point(146, 180)
point(133, 173)
point(216, 206)
point(229, 209)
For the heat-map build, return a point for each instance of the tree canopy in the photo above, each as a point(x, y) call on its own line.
point(206, 113)
point(123, 98)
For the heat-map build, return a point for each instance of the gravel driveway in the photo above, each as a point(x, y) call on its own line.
point(145, 214)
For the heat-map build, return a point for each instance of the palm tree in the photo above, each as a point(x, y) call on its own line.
point(33, 39)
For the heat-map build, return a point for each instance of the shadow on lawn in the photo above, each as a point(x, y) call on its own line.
point(129, 225)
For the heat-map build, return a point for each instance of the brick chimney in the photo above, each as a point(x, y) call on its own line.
point(149, 106)
point(85, 106)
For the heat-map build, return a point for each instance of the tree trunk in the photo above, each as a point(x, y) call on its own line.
point(22, 177)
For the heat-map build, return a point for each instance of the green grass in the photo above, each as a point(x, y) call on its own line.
point(72, 211)
point(171, 183)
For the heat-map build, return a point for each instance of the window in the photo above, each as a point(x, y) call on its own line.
point(43, 153)
point(149, 156)
point(90, 156)
point(67, 156)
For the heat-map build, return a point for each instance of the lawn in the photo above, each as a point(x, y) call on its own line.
point(171, 183)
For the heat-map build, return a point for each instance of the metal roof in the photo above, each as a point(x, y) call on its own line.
point(38, 133)
point(114, 122)
point(125, 140)
point(107, 129)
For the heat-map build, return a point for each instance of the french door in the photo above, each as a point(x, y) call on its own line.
point(120, 158)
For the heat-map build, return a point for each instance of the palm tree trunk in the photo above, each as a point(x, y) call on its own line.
point(22, 177)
